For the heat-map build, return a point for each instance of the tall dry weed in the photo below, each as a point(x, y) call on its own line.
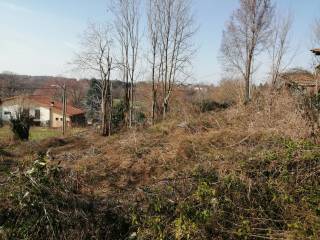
point(273, 111)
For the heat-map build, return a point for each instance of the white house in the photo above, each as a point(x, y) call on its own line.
point(42, 109)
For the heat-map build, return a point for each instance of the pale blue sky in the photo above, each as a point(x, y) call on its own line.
point(39, 37)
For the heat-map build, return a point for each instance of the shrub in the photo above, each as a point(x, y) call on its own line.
point(311, 107)
point(208, 105)
point(315, 101)
point(140, 117)
point(44, 202)
point(21, 126)
point(206, 207)
point(267, 194)
point(118, 114)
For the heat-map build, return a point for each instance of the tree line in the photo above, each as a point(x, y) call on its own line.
point(115, 48)
point(254, 28)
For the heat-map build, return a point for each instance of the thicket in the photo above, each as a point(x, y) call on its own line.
point(266, 194)
point(44, 202)
point(249, 172)
point(265, 187)
point(208, 105)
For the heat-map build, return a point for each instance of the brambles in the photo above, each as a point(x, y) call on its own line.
point(44, 202)
point(217, 175)
point(268, 195)
point(208, 105)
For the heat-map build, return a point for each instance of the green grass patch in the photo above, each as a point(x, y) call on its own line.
point(43, 133)
point(36, 133)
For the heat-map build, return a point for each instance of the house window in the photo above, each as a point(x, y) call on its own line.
point(57, 119)
point(7, 113)
point(37, 114)
point(60, 119)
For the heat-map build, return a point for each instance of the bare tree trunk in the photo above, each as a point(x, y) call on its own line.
point(279, 47)
point(127, 16)
point(165, 107)
point(110, 107)
point(247, 79)
point(127, 102)
point(154, 29)
point(247, 34)
point(96, 57)
point(171, 22)
point(104, 118)
point(127, 83)
point(106, 111)
point(131, 104)
point(154, 92)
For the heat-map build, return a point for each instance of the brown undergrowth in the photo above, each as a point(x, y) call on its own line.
point(248, 172)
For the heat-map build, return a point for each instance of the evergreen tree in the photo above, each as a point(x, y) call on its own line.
point(93, 100)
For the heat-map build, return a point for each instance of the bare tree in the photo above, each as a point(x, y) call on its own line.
point(96, 57)
point(315, 41)
point(127, 21)
point(171, 28)
point(279, 46)
point(153, 27)
point(246, 35)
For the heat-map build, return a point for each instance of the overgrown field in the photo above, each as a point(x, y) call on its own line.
point(242, 173)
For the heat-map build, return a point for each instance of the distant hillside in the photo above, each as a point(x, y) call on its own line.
point(13, 85)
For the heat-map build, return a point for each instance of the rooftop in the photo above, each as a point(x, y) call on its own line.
point(300, 77)
point(45, 101)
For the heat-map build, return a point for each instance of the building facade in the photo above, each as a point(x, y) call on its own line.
point(42, 110)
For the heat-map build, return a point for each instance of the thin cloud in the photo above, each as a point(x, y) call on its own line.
point(15, 7)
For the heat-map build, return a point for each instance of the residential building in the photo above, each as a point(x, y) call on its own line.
point(43, 110)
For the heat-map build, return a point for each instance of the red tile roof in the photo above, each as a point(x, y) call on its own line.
point(299, 77)
point(45, 101)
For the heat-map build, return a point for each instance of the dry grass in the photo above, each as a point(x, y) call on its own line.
point(140, 157)
point(241, 145)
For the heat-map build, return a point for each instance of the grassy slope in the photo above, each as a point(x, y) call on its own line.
point(208, 177)
point(36, 133)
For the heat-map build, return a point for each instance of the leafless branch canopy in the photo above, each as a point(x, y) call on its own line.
point(246, 35)
point(96, 45)
point(96, 56)
point(127, 22)
point(315, 41)
point(171, 28)
point(279, 46)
